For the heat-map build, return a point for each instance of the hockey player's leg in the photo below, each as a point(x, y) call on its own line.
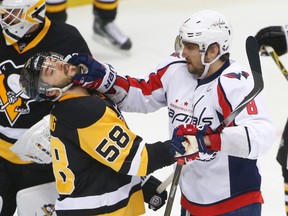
point(282, 159)
point(37, 200)
point(1, 203)
point(56, 10)
point(104, 25)
point(253, 209)
point(285, 175)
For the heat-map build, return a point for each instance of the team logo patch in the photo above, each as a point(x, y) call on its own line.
point(156, 201)
point(48, 209)
point(237, 75)
point(13, 102)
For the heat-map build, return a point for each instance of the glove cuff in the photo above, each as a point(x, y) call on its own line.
point(215, 140)
point(108, 80)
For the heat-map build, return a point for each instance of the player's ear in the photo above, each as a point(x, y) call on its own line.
point(51, 93)
point(214, 49)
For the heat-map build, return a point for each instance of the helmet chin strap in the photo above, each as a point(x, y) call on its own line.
point(207, 65)
point(61, 91)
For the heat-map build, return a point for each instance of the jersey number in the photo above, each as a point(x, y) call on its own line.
point(110, 151)
point(252, 108)
point(63, 175)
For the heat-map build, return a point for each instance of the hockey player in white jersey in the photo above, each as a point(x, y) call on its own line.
point(203, 88)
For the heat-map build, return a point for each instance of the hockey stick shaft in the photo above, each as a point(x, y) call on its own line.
point(276, 59)
point(255, 66)
point(162, 187)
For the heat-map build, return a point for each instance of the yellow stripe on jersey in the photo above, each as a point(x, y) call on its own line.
point(286, 197)
point(131, 209)
point(105, 5)
point(36, 40)
point(9, 155)
point(110, 142)
point(72, 3)
point(286, 187)
point(56, 7)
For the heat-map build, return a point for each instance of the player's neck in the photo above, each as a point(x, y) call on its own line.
point(215, 67)
point(77, 90)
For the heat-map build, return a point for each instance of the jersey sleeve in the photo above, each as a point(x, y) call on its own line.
point(110, 142)
point(252, 133)
point(146, 94)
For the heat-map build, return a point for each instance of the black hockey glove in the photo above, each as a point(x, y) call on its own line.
point(154, 200)
point(273, 36)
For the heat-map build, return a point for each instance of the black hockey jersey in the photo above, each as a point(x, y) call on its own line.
point(97, 160)
point(17, 112)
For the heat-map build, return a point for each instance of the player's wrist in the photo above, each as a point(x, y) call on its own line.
point(215, 142)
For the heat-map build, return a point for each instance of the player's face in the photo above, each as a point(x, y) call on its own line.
point(192, 55)
point(57, 73)
point(10, 17)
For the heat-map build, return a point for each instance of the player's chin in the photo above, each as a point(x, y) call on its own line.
point(190, 68)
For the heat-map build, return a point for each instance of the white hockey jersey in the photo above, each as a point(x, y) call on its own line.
point(228, 179)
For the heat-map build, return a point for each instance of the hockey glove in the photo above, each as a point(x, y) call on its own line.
point(94, 75)
point(188, 142)
point(274, 36)
point(154, 200)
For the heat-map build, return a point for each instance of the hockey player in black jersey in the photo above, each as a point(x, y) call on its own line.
point(277, 38)
point(103, 26)
point(97, 160)
point(25, 31)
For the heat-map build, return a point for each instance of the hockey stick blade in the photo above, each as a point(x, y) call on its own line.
point(255, 66)
point(276, 59)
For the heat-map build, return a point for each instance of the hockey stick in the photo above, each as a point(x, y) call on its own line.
point(276, 59)
point(165, 183)
point(162, 187)
point(255, 66)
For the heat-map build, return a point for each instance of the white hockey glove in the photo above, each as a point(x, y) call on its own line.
point(188, 143)
point(34, 144)
point(94, 75)
point(186, 149)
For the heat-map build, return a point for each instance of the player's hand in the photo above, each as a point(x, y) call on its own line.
point(188, 142)
point(274, 36)
point(154, 200)
point(94, 75)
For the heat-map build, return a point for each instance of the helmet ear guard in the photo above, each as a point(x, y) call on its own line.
point(178, 45)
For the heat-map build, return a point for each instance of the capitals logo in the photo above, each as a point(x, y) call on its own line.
point(13, 102)
point(237, 75)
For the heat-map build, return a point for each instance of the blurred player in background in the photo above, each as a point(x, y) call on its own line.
point(25, 31)
point(104, 15)
point(277, 38)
